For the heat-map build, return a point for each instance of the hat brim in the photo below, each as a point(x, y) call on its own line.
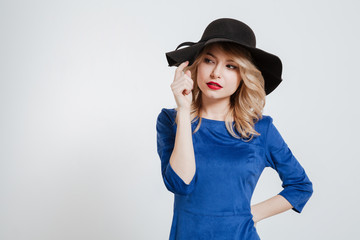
point(269, 64)
point(176, 57)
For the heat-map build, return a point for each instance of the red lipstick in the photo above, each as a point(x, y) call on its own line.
point(214, 85)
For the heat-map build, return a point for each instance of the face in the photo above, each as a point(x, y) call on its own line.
point(218, 76)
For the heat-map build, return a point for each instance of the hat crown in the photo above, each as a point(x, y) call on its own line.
point(231, 29)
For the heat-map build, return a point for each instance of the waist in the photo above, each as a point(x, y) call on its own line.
point(213, 207)
point(205, 212)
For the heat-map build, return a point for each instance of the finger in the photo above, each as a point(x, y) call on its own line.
point(188, 73)
point(176, 85)
point(180, 87)
point(181, 67)
point(188, 79)
point(189, 85)
point(188, 88)
point(182, 83)
point(187, 91)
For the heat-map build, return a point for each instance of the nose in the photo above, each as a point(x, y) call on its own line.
point(216, 72)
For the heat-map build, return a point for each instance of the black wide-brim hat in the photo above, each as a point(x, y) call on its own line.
point(231, 30)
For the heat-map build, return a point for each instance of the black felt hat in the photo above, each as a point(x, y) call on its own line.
point(231, 30)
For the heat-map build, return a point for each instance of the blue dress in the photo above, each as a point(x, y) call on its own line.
point(216, 203)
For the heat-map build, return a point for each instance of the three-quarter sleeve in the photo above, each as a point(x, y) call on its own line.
point(297, 186)
point(165, 146)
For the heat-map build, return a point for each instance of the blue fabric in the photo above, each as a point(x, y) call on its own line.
point(216, 203)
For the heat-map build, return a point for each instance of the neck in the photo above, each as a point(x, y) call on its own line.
point(215, 109)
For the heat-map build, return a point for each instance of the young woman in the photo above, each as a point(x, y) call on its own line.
point(214, 146)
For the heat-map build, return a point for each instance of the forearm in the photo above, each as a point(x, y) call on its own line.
point(270, 207)
point(182, 159)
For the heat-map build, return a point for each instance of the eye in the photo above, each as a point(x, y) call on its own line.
point(207, 60)
point(231, 66)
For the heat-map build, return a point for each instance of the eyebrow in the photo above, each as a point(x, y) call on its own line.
point(208, 53)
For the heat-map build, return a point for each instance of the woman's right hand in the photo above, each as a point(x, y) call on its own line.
point(182, 87)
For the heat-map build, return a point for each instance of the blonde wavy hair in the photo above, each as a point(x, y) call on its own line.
point(246, 103)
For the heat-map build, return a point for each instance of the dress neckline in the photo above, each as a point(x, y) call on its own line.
point(212, 121)
point(207, 120)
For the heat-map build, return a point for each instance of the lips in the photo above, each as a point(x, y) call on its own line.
point(214, 84)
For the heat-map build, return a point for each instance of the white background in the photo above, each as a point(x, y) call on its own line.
point(81, 86)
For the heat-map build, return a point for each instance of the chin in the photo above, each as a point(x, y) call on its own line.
point(211, 95)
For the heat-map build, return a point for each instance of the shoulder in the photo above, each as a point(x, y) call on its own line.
point(266, 118)
point(262, 127)
point(167, 115)
point(263, 123)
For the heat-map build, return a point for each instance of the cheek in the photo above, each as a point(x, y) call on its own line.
point(201, 77)
point(200, 82)
point(234, 80)
point(200, 73)
point(238, 83)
